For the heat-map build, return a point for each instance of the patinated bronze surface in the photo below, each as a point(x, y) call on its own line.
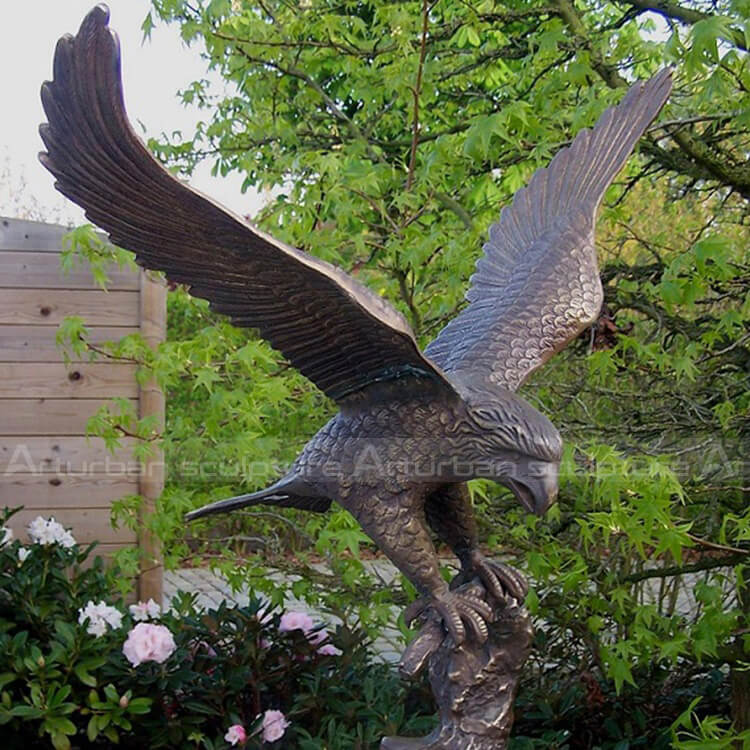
point(413, 426)
point(474, 685)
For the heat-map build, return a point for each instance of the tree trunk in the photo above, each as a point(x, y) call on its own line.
point(740, 683)
point(739, 675)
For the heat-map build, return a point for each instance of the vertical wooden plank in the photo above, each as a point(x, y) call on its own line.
point(46, 463)
point(153, 330)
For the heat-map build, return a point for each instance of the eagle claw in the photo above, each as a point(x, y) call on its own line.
point(500, 580)
point(458, 611)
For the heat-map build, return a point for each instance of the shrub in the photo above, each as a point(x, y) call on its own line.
point(81, 669)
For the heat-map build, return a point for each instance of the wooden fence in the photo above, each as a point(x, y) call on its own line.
point(47, 464)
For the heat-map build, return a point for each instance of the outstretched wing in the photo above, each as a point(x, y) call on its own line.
point(334, 330)
point(537, 285)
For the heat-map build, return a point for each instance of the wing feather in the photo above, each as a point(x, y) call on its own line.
point(334, 330)
point(537, 284)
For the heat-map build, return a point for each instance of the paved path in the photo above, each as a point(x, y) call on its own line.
point(212, 589)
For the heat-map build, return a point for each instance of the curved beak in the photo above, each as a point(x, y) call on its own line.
point(537, 489)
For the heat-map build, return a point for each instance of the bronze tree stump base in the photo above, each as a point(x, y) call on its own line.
point(474, 684)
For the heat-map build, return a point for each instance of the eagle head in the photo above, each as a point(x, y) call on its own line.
point(520, 448)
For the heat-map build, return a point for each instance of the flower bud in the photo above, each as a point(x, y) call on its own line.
point(40, 662)
point(124, 701)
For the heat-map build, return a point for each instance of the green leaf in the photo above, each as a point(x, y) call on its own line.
point(139, 705)
point(60, 741)
point(82, 673)
point(92, 729)
point(27, 712)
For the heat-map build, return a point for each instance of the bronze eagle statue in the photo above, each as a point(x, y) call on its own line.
point(413, 426)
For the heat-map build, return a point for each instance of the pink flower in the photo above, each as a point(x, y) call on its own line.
point(236, 735)
point(318, 637)
point(329, 650)
point(203, 646)
point(296, 621)
point(274, 725)
point(143, 611)
point(148, 642)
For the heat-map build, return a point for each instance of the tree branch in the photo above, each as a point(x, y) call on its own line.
point(734, 176)
point(416, 92)
point(709, 563)
point(688, 16)
point(716, 165)
point(608, 72)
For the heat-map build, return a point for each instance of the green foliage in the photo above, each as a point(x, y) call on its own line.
point(640, 570)
point(83, 246)
point(48, 684)
point(69, 687)
point(566, 711)
point(690, 732)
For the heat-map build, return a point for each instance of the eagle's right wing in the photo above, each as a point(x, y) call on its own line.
point(537, 285)
point(333, 329)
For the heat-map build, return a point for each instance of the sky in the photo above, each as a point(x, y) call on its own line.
point(153, 72)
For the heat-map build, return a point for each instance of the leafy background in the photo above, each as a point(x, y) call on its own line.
point(388, 136)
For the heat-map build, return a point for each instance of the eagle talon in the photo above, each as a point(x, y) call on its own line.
point(500, 580)
point(416, 608)
point(459, 613)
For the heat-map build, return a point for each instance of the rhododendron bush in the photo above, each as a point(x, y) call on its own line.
point(80, 668)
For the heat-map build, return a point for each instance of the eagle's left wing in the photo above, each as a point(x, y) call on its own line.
point(537, 285)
